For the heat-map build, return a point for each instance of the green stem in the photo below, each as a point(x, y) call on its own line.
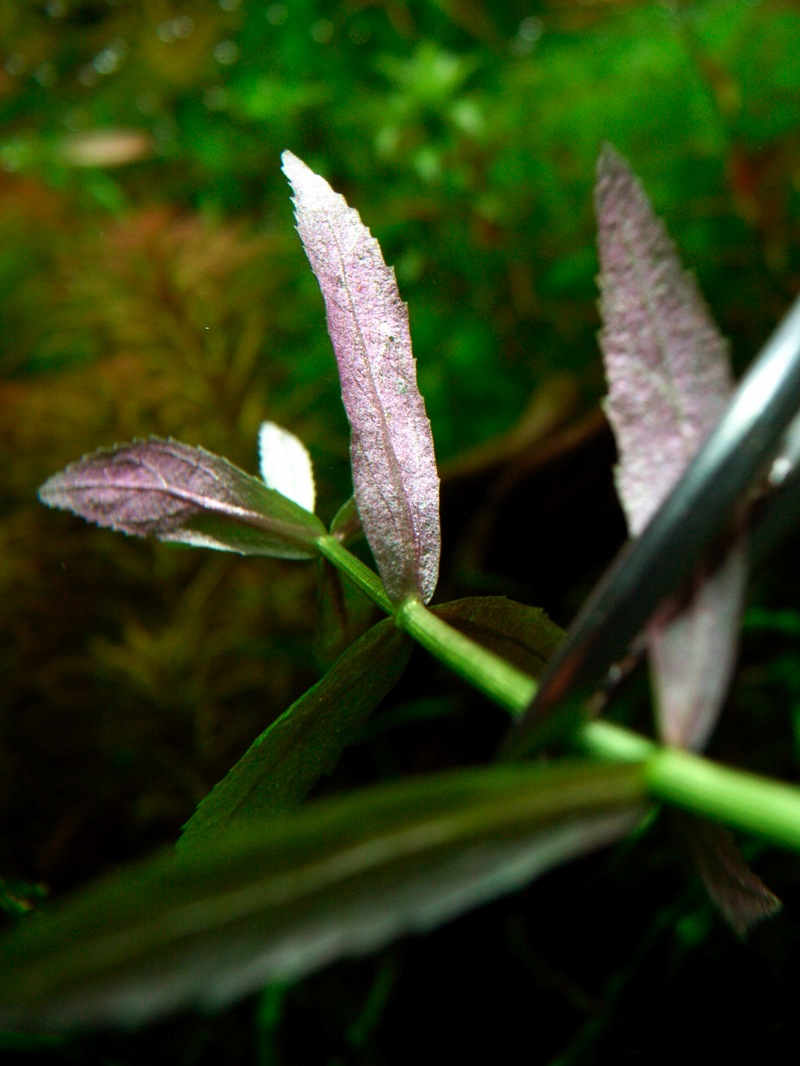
point(769, 808)
point(756, 804)
point(487, 672)
point(361, 575)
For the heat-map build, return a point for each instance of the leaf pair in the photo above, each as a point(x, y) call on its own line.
point(174, 492)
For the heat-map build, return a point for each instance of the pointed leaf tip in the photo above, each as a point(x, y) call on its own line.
point(173, 492)
point(666, 362)
point(668, 382)
point(394, 468)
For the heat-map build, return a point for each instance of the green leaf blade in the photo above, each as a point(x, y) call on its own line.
point(291, 894)
point(523, 636)
point(304, 744)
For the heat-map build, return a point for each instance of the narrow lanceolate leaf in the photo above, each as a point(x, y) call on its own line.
point(285, 465)
point(289, 894)
point(174, 492)
point(394, 469)
point(305, 743)
point(667, 365)
point(669, 379)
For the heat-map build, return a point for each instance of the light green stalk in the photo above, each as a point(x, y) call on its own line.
point(768, 808)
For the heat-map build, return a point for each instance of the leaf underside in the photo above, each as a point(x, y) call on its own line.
point(394, 468)
point(285, 465)
point(741, 896)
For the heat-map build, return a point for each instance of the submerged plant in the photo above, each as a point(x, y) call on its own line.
point(262, 888)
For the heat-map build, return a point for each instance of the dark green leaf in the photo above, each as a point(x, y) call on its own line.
point(305, 743)
point(346, 524)
point(524, 636)
point(289, 894)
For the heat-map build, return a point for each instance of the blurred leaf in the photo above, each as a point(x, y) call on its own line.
point(668, 382)
point(394, 468)
point(174, 492)
point(346, 524)
point(288, 895)
point(740, 895)
point(667, 364)
point(305, 743)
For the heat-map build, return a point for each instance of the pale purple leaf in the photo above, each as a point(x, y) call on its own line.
point(693, 651)
point(174, 492)
point(669, 379)
point(394, 469)
point(667, 365)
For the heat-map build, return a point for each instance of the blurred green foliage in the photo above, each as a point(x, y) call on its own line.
point(151, 282)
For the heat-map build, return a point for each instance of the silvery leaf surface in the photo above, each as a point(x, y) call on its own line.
point(668, 382)
point(666, 362)
point(395, 480)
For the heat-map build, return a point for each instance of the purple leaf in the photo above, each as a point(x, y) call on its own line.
point(669, 379)
point(692, 647)
point(667, 364)
point(394, 468)
point(171, 491)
